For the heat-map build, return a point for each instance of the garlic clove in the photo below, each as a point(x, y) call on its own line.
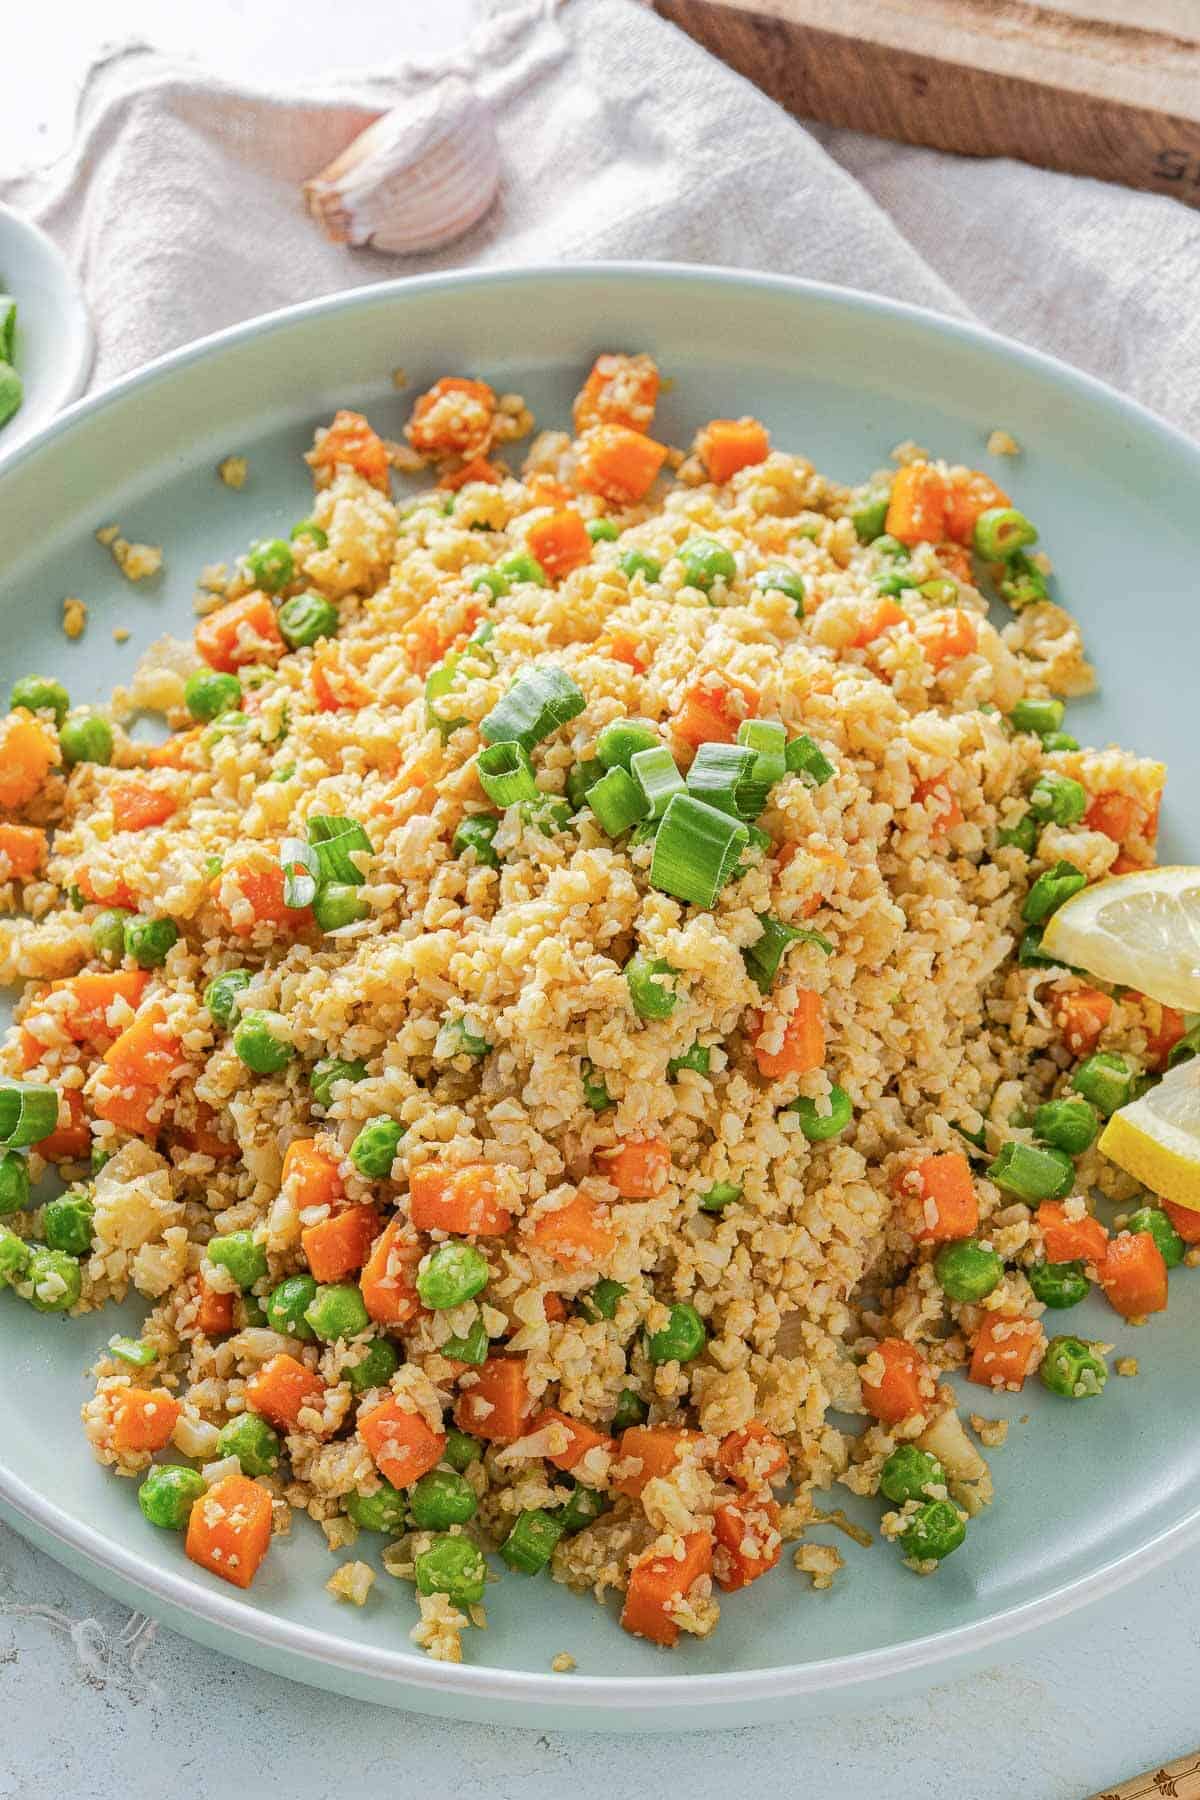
point(417, 178)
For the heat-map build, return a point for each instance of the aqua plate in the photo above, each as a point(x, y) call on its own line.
point(1089, 1496)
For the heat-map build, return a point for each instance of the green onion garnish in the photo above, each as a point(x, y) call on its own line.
point(805, 758)
point(763, 957)
point(617, 801)
point(333, 839)
point(657, 776)
point(301, 868)
point(28, 1113)
point(506, 774)
point(768, 740)
point(695, 850)
point(133, 1351)
point(534, 706)
point(456, 1038)
point(717, 772)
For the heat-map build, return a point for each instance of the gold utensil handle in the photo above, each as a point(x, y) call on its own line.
point(1177, 1781)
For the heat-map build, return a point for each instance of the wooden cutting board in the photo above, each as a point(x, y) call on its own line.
point(1109, 88)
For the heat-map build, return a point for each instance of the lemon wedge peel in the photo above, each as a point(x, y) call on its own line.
point(1140, 930)
point(1156, 1139)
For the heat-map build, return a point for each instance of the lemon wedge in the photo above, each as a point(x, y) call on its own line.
point(1157, 1139)
point(1140, 931)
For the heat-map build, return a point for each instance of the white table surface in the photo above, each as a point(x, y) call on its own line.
point(1110, 1694)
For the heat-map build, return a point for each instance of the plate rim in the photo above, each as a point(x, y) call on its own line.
point(599, 1694)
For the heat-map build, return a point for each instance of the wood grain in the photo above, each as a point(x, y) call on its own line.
point(1068, 84)
point(1177, 1781)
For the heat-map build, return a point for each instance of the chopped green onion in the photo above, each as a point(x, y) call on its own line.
point(652, 998)
point(717, 773)
point(550, 814)
point(763, 957)
point(438, 684)
point(803, 757)
point(1023, 582)
point(868, 515)
point(696, 850)
point(657, 776)
point(1038, 716)
point(1002, 530)
point(456, 1038)
point(301, 868)
point(534, 706)
point(617, 801)
point(1050, 890)
point(1058, 740)
point(1057, 798)
point(1032, 1172)
point(619, 742)
point(580, 777)
point(719, 1196)
point(333, 838)
point(133, 1351)
point(506, 774)
point(473, 1348)
point(698, 1059)
point(530, 1544)
point(476, 832)
point(595, 1090)
point(28, 1113)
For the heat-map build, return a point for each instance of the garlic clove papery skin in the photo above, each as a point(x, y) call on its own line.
point(417, 178)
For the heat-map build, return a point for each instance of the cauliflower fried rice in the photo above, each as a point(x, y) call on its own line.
point(516, 1192)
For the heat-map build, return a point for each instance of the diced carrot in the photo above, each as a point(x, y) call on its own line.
point(311, 1174)
point(239, 886)
point(1004, 1351)
point(947, 812)
point(1134, 1275)
point(560, 543)
point(388, 1280)
point(712, 708)
point(946, 636)
point(625, 647)
point(576, 1234)
point(478, 469)
point(1185, 1220)
point(129, 1108)
point(803, 1046)
point(618, 464)
point(939, 1198)
point(335, 686)
point(136, 806)
point(727, 445)
point(28, 752)
point(619, 390)
point(145, 1052)
point(969, 493)
point(339, 1246)
point(1071, 1240)
point(350, 442)
point(1118, 816)
point(119, 894)
point(956, 561)
point(917, 509)
point(242, 631)
point(434, 629)
point(93, 996)
point(1164, 1026)
point(31, 1048)
point(546, 490)
point(749, 1541)
point(637, 1167)
point(1128, 865)
point(583, 1437)
point(72, 1137)
point(403, 1447)
point(175, 752)
point(455, 417)
point(657, 1582)
point(1081, 1015)
point(880, 616)
point(214, 1310)
point(465, 1201)
point(22, 851)
point(904, 1387)
point(281, 1389)
point(143, 1418)
point(1150, 829)
point(496, 1405)
point(751, 1456)
point(657, 1447)
point(554, 1307)
point(201, 1135)
point(229, 1529)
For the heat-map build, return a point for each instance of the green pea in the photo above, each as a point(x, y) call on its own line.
point(602, 531)
point(966, 1271)
point(1038, 716)
point(169, 1493)
point(698, 1059)
point(583, 1508)
point(1058, 1285)
point(87, 739)
point(908, 1473)
point(452, 1273)
point(818, 1125)
point(453, 1566)
point(461, 1449)
point(1031, 1173)
point(384, 1510)
point(523, 567)
point(620, 742)
point(208, 694)
point(1023, 582)
point(55, 1279)
point(149, 941)
point(705, 562)
point(778, 578)
point(1073, 1369)
point(238, 1251)
point(326, 1073)
point(476, 833)
point(1000, 531)
point(374, 1149)
point(374, 1368)
point(630, 1410)
point(15, 1256)
point(719, 1196)
point(287, 1305)
point(869, 514)
point(652, 998)
point(530, 1544)
point(261, 1041)
point(440, 1499)
point(37, 693)
point(67, 1223)
point(14, 1183)
point(339, 903)
point(220, 996)
point(252, 1441)
point(892, 547)
point(636, 562)
point(305, 618)
point(1050, 890)
point(270, 564)
point(456, 1038)
point(1069, 1125)
point(1151, 1219)
point(601, 1301)
point(1105, 1079)
point(933, 1532)
point(1057, 798)
point(337, 1311)
point(108, 933)
point(308, 528)
point(595, 1091)
point(681, 1339)
point(1023, 835)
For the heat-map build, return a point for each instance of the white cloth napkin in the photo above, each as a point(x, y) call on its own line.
point(180, 202)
